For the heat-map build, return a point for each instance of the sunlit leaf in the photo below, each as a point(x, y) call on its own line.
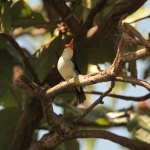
point(102, 121)
point(89, 143)
point(23, 16)
point(143, 135)
point(5, 20)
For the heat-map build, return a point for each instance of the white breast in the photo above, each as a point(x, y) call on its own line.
point(66, 68)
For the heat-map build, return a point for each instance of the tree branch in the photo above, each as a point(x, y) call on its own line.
point(25, 60)
point(112, 19)
point(27, 123)
point(98, 101)
point(140, 19)
point(138, 145)
point(133, 81)
point(67, 16)
point(131, 98)
point(130, 56)
point(93, 12)
point(63, 127)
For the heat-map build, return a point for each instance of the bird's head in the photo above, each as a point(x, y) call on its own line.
point(68, 51)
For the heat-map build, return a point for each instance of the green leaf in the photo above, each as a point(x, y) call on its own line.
point(71, 145)
point(140, 126)
point(12, 51)
point(5, 20)
point(8, 100)
point(93, 115)
point(139, 122)
point(22, 15)
point(45, 60)
point(6, 65)
point(101, 52)
point(143, 135)
point(102, 121)
point(8, 121)
point(88, 5)
point(133, 123)
point(60, 147)
point(3, 42)
point(90, 143)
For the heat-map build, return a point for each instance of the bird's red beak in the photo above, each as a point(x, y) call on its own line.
point(70, 45)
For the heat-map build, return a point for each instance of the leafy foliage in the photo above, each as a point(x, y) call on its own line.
point(16, 16)
point(8, 125)
point(21, 15)
point(6, 62)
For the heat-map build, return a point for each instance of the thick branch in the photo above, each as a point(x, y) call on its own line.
point(61, 125)
point(112, 137)
point(26, 125)
point(112, 19)
point(67, 16)
point(93, 12)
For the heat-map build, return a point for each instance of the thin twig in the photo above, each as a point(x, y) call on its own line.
point(98, 101)
point(131, 40)
point(95, 125)
point(111, 20)
point(65, 13)
point(130, 29)
point(129, 143)
point(131, 98)
point(139, 19)
point(133, 81)
point(25, 60)
point(75, 4)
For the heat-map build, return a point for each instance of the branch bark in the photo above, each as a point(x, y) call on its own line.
point(98, 101)
point(65, 13)
point(112, 137)
point(112, 19)
point(93, 12)
point(131, 98)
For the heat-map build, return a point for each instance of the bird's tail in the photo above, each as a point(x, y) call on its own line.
point(80, 95)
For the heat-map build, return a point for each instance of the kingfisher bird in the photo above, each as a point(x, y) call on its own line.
point(69, 69)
